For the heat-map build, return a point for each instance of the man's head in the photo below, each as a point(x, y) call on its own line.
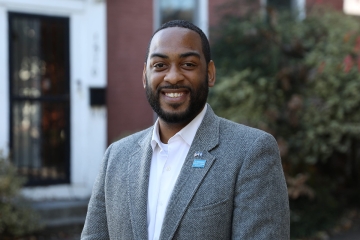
point(178, 72)
point(185, 24)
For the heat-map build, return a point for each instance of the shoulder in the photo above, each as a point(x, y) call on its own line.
point(243, 137)
point(230, 128)
point(132, 141)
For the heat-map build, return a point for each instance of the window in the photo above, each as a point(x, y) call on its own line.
point(174, 9)
point(39, 97)
point(296, 6)
point(194, 11)
point(279, 4)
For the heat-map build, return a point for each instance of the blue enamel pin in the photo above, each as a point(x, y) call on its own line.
point(199, 163)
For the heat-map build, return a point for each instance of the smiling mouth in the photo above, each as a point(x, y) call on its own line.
point(174, 95)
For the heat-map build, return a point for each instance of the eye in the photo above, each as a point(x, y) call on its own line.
point(159, 65)
point(189, 65)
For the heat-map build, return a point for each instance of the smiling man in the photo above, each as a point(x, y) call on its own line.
point(192, 175)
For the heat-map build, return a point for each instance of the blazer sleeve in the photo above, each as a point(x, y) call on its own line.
point(95, 226)
point(261, 205)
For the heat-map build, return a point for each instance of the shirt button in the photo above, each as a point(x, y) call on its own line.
point(168, 168)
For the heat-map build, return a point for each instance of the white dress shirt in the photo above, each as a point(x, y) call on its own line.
point(166, 164)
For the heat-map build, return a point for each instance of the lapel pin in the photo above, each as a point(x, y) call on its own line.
point(198, 154)
point(199, 163)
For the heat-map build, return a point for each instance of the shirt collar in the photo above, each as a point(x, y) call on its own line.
point(187, 133)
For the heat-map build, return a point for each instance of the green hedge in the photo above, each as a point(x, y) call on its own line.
point(300, 81)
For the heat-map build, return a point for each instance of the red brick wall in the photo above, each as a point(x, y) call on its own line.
point(129, 28)
point(219, 7)
point(215, 8)
point(337, 4)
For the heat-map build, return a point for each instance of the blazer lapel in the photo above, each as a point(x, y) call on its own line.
point(138, 176)
point(190, 178)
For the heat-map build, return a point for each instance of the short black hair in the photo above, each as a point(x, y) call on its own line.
point(185, 24)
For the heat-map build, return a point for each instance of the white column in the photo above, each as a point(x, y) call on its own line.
point(299, 7)
point(4, 82)
point(203, 12)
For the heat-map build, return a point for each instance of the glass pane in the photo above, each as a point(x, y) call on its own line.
point(177, 9)
point(39, 139)
point(38, 58)
point(280, 4)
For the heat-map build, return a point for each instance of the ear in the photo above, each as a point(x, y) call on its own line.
point(144, 76)
point(211, 73)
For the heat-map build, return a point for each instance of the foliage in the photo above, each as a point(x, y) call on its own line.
point(300, 81)
point(16, 217)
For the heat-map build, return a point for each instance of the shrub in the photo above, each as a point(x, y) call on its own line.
point(16, 217)
point(300, 81)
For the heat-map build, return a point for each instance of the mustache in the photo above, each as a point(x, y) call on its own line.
point(176, 86)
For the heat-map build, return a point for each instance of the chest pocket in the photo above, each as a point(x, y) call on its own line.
point(217, 208)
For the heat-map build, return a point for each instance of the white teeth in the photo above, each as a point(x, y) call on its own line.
point(173, 95)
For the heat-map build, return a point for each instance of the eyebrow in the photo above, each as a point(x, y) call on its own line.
point(158, 55)
point(183, 55)
point(189, 54)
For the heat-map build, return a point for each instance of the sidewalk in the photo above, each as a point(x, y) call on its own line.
point(352, 234)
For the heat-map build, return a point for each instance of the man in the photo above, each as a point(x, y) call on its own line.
point(192, 175)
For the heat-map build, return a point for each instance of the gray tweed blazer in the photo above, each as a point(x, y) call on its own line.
point(240, 193)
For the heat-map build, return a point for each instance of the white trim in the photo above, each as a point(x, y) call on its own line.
point(204, 16)
point(44, 7)
point(4, 82)
point(156, 13)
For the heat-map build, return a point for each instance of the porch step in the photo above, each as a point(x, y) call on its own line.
point(61, 212)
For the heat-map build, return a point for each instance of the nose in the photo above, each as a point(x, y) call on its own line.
point(174, 75)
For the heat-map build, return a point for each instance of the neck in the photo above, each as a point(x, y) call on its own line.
point(167, 130)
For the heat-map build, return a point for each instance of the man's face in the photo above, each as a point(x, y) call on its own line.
point(176, 75)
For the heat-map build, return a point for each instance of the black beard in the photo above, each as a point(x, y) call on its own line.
point(198, 99)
